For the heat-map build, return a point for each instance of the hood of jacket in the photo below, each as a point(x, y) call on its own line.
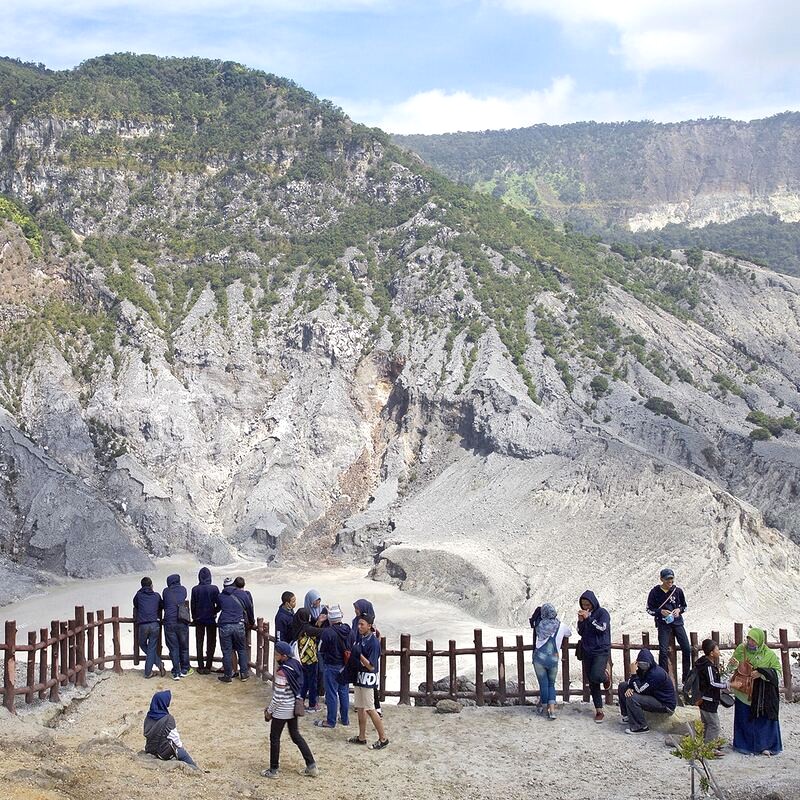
point(173, 580)
point(343, 630)
point(365, 609)
point(204, 576)
point(646, 655)
point(592, 598)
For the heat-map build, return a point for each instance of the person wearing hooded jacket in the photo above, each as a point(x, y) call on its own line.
point(284, 618)
point(649, 689)
point(161, 734)
point(204, 615)
point(594, 629)
point(236, 614)
point(334, 642)
point(363, 608)
point(176, 632)
point(148, 607)
point(307, 637)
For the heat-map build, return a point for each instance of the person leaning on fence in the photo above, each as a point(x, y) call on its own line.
point(147, 609)
point(549, 632)
point(284, 618)
point(666, 603)
point(710, 686)
point(755, 718)
point(161, 734)
point(649, 689)
point(594, 628)
point(236, 614)
point(176, 628)
point(204, 615)
point(280, 712)
point(365, 658)
point(334, 647)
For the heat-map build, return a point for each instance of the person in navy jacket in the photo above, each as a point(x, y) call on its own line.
point(666, 603)
point(594, 628)
point(284, 619)
point(649, 689)
point(147, 609)
point(236, 615)
point(204, 615)
point(176, 632)
point(366, 658)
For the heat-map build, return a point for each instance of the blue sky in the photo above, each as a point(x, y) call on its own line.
point(436, 66)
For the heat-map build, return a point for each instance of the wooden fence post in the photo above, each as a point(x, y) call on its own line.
point(566, 689)
point(452, 669)
point(259, 667)
point(43, 662)
point(786, 664)
point(116, 639)
point(80, 644)
point(136, 648)
point(673, 658)
point(479, 688)
point(626, 656)
point(520, 671)
point(63, 642)
point(693, 640)
point(71, 654)
point(55, 648)
point(382, 674)
point(429, 671)
point(31, 671)
point(101, 639)
point(90, 640)
point(501, 670)
point(10, 671)
point(738, 633)
point(405, 669)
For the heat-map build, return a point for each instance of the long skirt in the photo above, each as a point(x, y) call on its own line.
point(754, 735)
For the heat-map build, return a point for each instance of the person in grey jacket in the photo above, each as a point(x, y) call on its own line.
point(161, 734)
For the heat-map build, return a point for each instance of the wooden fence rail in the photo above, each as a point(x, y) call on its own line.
point(71, 649)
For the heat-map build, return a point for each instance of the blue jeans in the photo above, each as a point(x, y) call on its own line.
point(176, 635)
point(336, 695)
point(148, 642)
point(232, 637)
point(310, 684)
point(182, 755)
point(545, 664)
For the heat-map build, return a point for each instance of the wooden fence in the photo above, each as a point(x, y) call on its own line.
point(65, 653)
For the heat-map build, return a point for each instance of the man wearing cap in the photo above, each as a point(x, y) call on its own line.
point(236, 613)
point(666, 604)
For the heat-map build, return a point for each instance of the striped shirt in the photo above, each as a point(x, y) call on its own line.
point(282, 704)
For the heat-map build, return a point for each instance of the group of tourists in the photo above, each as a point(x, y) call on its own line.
point(315, 651)
point(754, 681)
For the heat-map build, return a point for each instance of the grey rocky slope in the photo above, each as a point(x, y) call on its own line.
point(318, 349)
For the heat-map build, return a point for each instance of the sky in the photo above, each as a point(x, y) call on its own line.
point(435, 66)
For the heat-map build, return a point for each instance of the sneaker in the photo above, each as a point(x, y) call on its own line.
point(226, 679)
point(151, 675)
point(177, 677)
point(643, 729)
point(189, 671)
point(268, 773)
point(551, 715)
point(244, 677)
point(310, 771)
point(312, 709)
point(599, 716)
point(623, 719)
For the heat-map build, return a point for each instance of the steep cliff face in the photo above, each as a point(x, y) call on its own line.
point(296, 342)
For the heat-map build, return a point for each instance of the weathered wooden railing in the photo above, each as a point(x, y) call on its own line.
point(69, 650)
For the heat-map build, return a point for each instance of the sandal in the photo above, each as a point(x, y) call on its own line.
point(356, 740)
point(379, 745)
point(322, 723)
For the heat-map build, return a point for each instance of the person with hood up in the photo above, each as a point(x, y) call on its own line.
point(363, 608)
point(280, 711)
point(550, 632)
point(335, 644)
point(147, 610)
point(594, 628)
point(648, 689)
point(161, 735)
point(176, 631)
point(755, 717)
point(204, 615)
point(307, 636)
point(666, 603)
point(284, 619)
point(236, 614)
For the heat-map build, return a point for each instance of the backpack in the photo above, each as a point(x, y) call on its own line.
point(692, 695)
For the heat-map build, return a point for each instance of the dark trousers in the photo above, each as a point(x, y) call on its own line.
point(275, 730)
point(682, 640)
point(634, 706)
point(148, 642)
point(596, 669)
point(310, 684)
point(205, 634)
point(176, 635)
point(232, 637)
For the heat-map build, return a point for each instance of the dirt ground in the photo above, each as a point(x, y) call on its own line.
point(89, 749)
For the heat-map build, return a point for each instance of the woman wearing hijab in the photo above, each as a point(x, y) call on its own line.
point(162, 737)
point(755, 718)
point(280, 711)
point(550, 632)
point(313, 604)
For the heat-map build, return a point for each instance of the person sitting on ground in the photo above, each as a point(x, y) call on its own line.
point(594, 628)
point(161, 735)
point(147, 609)
point(550, 632)
point(648, 689)
point(710, 685)
point(204, 615)
point(366, 655)
point(363, 608)
point(284, 619)
point(755, 717)
point(666, 603)
point(334, 643)
point(280, 711)
point(236, 614)
point(307, 636)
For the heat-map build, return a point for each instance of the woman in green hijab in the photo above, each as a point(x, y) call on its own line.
point(755, 720)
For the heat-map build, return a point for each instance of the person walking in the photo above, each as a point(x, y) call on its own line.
point(550, 633)
point(594, 628)
point(333, 647)
point(649, 689)
point(176, 629)
point(666, 603)
point(284, 618)
point(710, 686)
point(236, 613)
point(366, 657)
point(204, 615)
point(148, 607)
point(280, 713)
point(160, 732)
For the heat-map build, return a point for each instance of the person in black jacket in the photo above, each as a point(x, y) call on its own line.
point(147, 609)
point(284, 619)
point(204, 615)
point(334, 643)
point(649, 689)
point(594, 628)
point(710, 685)
point(176, 631)
point(666, 603)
